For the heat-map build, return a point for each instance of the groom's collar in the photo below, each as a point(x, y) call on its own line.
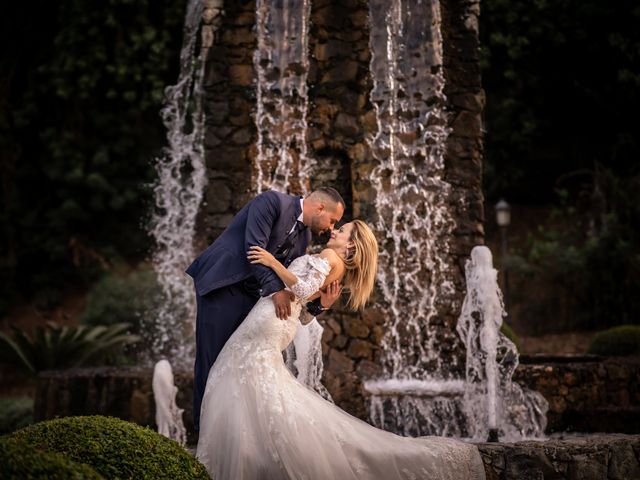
point(300, 216)
point(301, 209)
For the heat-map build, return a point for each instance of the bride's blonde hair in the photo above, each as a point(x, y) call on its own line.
point(361, 264)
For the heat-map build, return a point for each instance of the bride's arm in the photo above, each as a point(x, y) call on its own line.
point(260, 255)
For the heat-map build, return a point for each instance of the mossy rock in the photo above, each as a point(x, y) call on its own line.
point(114, 448)
point(617, 341)
point(508, 332)
point(21, 461)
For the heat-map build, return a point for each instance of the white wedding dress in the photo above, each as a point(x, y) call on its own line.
point(259, 422)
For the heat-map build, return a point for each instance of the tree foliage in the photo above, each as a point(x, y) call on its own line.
point(81, 85)
point(562, 79)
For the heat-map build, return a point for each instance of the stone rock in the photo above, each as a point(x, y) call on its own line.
point(339, 362)
point(238, 36)
point(140, 410)
point(241, 75)
point(343, 72)
point(242, 136)
point(360, 349)
point(246, 18)
point(335, 326)
point(330, 49)
point(623, 463)
point(218, 196)
point(354, 327)
point(467, 124)
point(347, 125)
point(360, 18)
point(332, 16)
point(340, 341)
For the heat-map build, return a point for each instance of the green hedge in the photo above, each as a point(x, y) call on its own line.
point(617, 341)
point(20, 461)
point(114, 448)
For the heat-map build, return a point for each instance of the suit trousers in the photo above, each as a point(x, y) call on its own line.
point(220, 312)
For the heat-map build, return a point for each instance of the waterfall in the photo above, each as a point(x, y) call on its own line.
point(411, 194)
point(412, 205)
point(281, 61)
point(178, 193)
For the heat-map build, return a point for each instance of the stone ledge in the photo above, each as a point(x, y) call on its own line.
point(588, 457)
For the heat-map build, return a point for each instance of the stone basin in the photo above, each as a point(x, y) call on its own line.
point(569, 457)
point(415, 388)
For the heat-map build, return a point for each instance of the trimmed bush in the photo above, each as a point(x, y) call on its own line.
point(114, 448)
point(20, 461)
point(617, 341)
point(15, 413)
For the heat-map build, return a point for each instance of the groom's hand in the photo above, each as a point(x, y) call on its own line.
point(330, 294)
point(282, 301)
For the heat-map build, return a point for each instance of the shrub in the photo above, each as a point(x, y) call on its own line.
point(117, 298)
point(55, 346)
point(19, 460)
point(114, 448)
point(15, 413)
point(618, 341)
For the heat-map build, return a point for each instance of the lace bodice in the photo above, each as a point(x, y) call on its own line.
point(311, 271)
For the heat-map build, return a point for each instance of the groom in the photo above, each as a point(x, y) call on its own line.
point(228, 286)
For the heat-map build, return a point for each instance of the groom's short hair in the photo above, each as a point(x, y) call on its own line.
point(328, 193)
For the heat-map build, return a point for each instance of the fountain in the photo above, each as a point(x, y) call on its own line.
point(168, 415)
point(494, 405)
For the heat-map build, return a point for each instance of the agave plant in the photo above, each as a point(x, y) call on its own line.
point(55, 346)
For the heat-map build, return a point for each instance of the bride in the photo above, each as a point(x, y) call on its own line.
point(259, 422)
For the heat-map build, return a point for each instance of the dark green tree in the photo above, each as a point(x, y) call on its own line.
point(81, 85)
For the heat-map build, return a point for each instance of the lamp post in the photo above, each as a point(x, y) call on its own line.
point(503, 219)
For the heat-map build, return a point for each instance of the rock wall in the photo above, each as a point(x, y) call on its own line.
point(340, 118)
point(592, 396)
point(593, 457)
point(123, 392)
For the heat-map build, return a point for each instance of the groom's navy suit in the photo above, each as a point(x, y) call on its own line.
point(228, 286)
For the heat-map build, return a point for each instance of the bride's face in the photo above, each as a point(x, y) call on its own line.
point(341, 237)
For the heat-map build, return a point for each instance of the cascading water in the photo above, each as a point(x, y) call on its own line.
point(281, 61)
point(178, 194)
point(413, 217)
point(491, 400)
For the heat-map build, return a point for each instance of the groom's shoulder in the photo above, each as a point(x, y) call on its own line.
point(274, 198)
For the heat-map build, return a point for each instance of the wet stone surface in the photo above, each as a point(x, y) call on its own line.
point(590, 457)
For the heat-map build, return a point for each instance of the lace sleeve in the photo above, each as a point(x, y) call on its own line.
point(310, 281)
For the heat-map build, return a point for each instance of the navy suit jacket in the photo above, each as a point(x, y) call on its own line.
point(264, 221)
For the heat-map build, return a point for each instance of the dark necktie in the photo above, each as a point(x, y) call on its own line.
point(285, 249)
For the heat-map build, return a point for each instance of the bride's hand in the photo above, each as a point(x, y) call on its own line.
point(260, 255)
